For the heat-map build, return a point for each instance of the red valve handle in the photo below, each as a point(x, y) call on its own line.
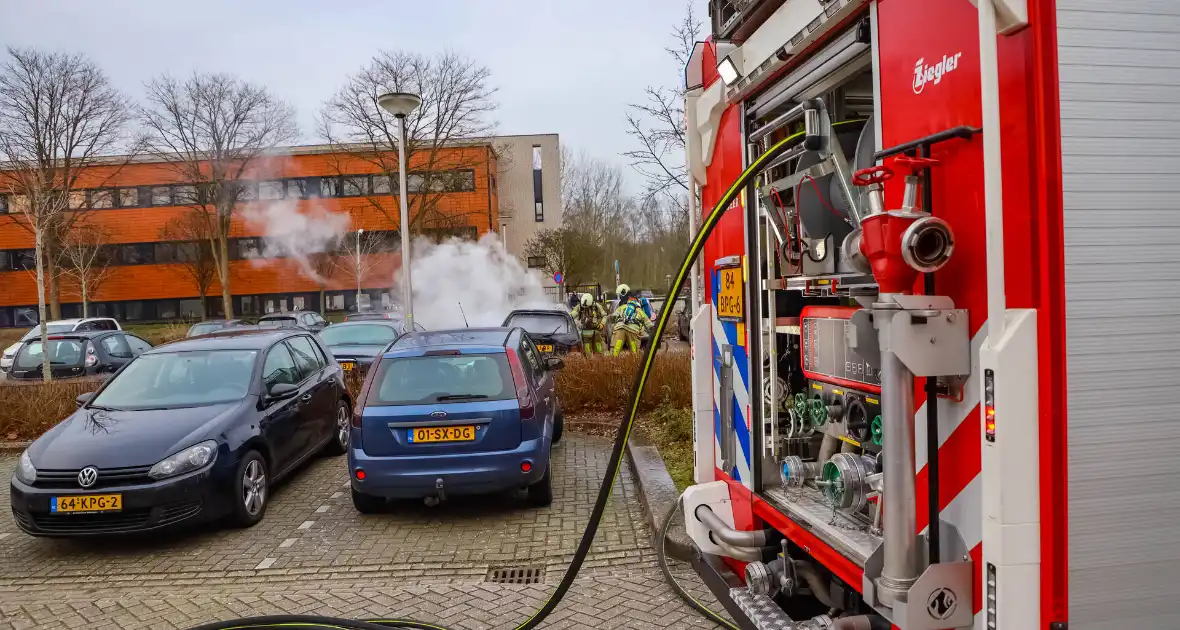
point(915, 164)
point(872, 175)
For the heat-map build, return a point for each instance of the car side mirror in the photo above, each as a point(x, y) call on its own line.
point(279, 391)
point(84, 398)
point(553, 364)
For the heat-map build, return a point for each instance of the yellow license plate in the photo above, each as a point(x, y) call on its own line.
point(730, 295)
point(347, 366)
point(442, 434)
point(87, 503)
point(545, 348)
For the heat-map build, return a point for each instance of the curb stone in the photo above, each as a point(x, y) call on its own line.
point(13, 447)
point(657, 494)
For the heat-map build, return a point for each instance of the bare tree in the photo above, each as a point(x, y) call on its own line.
point(658, 125)
point(87, 260)
point(322, 265)
point(192, 232)
point(356, 258)
point(444, 134)
point(211, 129)
point(58, 115)
point(565, 251)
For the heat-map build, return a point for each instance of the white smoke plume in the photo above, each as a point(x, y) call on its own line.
point(487, 280)
point(297, 235)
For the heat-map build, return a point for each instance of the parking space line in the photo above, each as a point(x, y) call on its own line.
point(321, 509)
point(306, 524)
point(4, 535)
point(265, 564)
point(337, 495)
point(287, 543)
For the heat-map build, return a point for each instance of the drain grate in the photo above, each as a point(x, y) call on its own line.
point(516, 575)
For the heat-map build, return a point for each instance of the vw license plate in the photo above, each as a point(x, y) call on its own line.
point(86, 503)
point(442, 434)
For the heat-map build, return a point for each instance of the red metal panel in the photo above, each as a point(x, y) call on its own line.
point(833, 312)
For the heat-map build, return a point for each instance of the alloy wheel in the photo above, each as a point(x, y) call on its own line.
point(342, 426)
point(254, 487)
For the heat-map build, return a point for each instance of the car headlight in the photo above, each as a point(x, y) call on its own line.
point(24, 469)
point(188, 460)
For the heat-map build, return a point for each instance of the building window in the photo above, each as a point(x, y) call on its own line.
point(249, 248)
point(356, 185)
point(5, 261)
point(102, 199)
point(414, 182)
point(128, 197)
point(538, 198)
point(166, 252)
point(272, 189)
point(24, 259)
point(167, 309)
point(329, 187)
point(185, 252)
point(297, 188)
point(161, 195)
point(24, 316)
point(133, 311)
point(77, 199)
point(190, 309)
point(3, 204)
point(335, 302)
point(536, 262)
point(249, 305)
point(185, 195)
point(247, 191)
point(382, 185)
point(137, 254)
point(460, 181)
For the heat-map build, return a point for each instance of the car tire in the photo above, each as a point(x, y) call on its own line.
point(251, 491)
point(341, 425)
point(541, 493)
point(558, 425)
point(367, 503)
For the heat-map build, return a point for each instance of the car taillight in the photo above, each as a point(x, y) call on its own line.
point(523, 395)
point(358, 406)
point(91, 355)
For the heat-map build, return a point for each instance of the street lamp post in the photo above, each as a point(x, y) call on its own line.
point(400, 104)
point(358, 268)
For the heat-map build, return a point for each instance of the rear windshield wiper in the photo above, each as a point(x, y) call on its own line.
point(460, 397)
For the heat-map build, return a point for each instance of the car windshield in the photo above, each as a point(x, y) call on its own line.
point(363, 335)
point(180, 379)
point(203, 328)
point(278, 322)
point(540, 323)
point(51, 329)
point(435, 379)
point(62, 352)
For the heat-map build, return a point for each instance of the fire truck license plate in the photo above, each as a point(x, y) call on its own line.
point(730, 297)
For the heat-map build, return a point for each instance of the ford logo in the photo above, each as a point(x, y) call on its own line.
point(438, 414)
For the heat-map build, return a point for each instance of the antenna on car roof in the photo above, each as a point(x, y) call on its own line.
point(464, 315)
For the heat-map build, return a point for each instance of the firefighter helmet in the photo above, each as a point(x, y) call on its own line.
point(622, 291)
point(587, 299)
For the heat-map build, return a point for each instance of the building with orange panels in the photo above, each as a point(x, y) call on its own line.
point(508, 184)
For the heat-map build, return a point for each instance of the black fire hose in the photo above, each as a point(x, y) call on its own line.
point(309, 622)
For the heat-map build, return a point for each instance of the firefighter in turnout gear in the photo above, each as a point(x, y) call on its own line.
point(591, 318)
point(630, 321)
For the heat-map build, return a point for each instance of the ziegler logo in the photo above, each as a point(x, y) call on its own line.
point(924, 74)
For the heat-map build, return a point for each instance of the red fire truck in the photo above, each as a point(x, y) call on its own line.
point(935, 312)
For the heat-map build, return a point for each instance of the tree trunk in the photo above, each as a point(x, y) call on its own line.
point(46, 375)
point(49, 254)
point(204, 310)
point(323, 306)
point(223, 271)
point(85, 297)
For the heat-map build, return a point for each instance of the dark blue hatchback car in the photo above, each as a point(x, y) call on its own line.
point(444, 413)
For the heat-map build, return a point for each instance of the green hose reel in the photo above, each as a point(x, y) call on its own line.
point(819, 412)
point(801, 404)
point(877, 430)
point(832, 484)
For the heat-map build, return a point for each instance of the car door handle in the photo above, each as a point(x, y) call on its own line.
point(306, 398)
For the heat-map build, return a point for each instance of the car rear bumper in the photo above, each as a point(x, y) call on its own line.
point(197, 497)
point(417, 476)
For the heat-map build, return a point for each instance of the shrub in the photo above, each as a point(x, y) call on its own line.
point(586, 384)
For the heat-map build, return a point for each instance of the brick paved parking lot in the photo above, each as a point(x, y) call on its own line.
point(314, 554)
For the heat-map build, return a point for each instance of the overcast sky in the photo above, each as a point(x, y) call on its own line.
point(564, 66)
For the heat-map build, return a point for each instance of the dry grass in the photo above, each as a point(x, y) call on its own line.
point(605, 383)
point(601, 384)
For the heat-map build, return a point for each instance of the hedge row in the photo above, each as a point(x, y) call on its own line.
point(586, 384)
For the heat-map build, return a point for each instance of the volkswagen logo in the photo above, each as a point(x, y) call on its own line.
point(438, 414)
point(87, 476)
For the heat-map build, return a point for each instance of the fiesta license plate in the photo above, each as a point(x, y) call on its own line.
point(347, 366)
point(545, 348)
point(442, 434)
point(86, 503)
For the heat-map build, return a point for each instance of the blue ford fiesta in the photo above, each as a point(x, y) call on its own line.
point(465, 411)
